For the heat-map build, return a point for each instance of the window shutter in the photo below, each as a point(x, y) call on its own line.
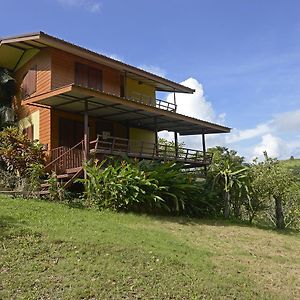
point(95, 79)
point(81, 75)
point(88, 77)
point(29, 82)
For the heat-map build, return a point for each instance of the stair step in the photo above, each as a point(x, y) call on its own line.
point(62, 176)
point(44, 185)
point(73, 170)
point(44, 192)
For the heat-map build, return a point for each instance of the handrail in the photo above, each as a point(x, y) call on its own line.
point(65, 153)
point(138, 148)
point(163, 104)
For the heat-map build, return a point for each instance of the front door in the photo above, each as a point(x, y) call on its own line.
point(70, 132)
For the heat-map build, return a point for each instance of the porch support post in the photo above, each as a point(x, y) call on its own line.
point(174, 95)
point(176, 143)
point(86, 131)
point(156, 136)
point(204, 152)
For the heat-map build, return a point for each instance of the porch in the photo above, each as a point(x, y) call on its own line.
point(90, 104)
point(146, 150)
point(71, 158)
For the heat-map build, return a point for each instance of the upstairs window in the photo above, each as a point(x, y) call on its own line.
point(88, 77)
point(29, 82)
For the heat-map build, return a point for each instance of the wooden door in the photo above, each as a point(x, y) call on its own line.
point(70, 132)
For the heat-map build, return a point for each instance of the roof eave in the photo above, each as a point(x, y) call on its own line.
point(55, 42)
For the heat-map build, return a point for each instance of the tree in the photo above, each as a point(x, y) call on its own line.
point(272, 182)
point(228, 176)
point(8, 89)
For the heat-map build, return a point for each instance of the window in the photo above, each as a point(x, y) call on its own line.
point(29, 82)
point(88, 77)
point(29, 132)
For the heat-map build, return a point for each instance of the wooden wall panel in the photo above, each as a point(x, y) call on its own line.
point(119, 129)
point(43, 62)
point(63, 72)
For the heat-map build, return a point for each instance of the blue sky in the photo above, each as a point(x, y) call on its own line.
point(243, 56)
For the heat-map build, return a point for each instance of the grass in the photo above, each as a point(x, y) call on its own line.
point(291, 163)
point(51, 251)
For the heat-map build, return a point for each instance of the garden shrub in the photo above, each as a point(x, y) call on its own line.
point(183, 192)
point(18, 153)
point(120, 186)
point(144, 187)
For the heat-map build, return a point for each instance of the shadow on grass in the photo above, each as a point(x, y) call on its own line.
point(219, 222)
point(6, 224)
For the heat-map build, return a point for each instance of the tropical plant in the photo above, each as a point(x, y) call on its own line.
point(182, 192)
point(18, 153)
point(119, 186)
point(228, 178)
point(234, 182)
point(56, 191)
point(34, 173)
point(272, 182)
point(8, 89)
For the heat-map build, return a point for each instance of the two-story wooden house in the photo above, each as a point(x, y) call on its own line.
point(77, 102)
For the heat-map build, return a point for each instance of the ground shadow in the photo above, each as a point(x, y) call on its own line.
point(215, 221)
point(6, 224)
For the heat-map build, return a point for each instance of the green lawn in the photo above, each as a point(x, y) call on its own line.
point(51, 251)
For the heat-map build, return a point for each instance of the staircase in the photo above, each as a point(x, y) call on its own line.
point(66, 165)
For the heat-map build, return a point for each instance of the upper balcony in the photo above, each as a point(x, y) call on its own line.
point(158, 103)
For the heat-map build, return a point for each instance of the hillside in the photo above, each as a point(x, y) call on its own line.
point(291, 163)
point(51, 251)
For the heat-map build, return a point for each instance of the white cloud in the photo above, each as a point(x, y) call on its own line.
point(92, 6)
point(288, 121)
point(154, 69)
point(240, 135)
point(196, 105)
point(278, 135)
point(274, 146)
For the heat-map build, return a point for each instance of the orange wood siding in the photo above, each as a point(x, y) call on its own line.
point(56, 115)
point(43, 62)
point(63, 72)
point(119, 130)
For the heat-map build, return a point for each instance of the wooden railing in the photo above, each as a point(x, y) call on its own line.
point(63, 158)
point(166, 105)
point(148, 150)
point(162, 104)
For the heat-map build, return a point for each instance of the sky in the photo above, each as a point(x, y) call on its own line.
point(241, 56)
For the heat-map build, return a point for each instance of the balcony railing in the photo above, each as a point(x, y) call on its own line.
point(147, 150)
point(162, 104)
point(166, 105)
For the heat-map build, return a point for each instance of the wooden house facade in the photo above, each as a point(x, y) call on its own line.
point(77, 103)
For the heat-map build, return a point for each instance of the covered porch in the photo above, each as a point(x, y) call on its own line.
point(131, 114)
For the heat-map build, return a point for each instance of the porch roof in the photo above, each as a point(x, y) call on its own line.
point(72, 98)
